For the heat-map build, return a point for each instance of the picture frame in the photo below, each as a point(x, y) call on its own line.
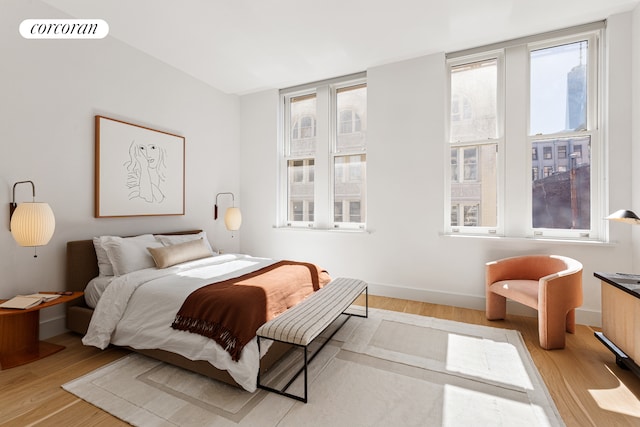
point(139, 171)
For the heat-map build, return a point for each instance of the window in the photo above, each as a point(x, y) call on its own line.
point(471, 215)
point(550, 191)
point(474, 140)
point(354, 211)
point(562, 152)
point(460, 108)
point(337, 212)
point(323, 154)
point(349, 122)
point(305, 127)
point(562, 119)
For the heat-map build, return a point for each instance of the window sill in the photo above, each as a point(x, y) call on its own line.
point(328, 230)
point(537, 240)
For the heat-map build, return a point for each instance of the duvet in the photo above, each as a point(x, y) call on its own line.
point(137, 310)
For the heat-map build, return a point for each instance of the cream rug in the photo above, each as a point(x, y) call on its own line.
point(392, 369)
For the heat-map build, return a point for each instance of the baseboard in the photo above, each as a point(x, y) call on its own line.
point(52, 327)
point(583, 316)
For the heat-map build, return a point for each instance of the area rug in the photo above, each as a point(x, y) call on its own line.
point(392, 369)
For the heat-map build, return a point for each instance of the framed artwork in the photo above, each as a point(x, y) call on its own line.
point(139, 171)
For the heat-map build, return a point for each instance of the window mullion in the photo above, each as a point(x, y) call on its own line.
point(517, 151)
point(322, 187)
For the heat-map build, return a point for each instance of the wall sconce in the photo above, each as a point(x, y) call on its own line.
point(232, 217)
point(31, 223)
point(624, 215)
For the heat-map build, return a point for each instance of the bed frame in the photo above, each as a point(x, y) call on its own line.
point(82, 266)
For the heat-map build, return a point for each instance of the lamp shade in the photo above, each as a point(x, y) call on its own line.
point(32, 224)
point(624, 215)
point(233, 219)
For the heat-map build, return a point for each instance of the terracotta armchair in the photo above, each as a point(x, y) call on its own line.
point(551, 284)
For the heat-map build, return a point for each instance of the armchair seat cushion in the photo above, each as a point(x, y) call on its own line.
point(523, 291)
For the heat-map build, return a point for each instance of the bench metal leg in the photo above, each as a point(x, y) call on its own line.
point(307, 360)
point(366, 306)
point(305, 367)
point(283, 390)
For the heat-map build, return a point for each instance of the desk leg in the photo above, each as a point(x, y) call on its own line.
point(19, 340)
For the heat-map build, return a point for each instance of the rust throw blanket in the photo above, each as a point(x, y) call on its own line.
point(230, 312)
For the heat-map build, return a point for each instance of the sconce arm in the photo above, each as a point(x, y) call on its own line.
point(215, 209)
point(13, 205)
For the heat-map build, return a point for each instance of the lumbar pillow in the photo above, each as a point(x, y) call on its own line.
point(174, 239)
point(167, 256)
point(129, 254)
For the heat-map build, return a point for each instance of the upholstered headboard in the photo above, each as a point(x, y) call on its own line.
point(82, 264)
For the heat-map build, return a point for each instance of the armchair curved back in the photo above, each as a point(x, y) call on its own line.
point(530, 267)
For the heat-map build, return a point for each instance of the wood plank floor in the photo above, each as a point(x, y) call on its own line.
point(587, 386)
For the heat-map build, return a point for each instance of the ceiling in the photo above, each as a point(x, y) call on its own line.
point(243, 46)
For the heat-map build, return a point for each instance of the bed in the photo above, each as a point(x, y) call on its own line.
point(197, 353)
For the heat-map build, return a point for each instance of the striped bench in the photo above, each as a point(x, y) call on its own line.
point(301, 324)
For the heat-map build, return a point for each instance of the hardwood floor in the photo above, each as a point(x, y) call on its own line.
point(587, 386)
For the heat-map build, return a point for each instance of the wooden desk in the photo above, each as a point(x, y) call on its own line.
point(19, 334)
point(621, 318)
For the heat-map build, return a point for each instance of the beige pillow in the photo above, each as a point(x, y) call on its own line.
point(167, 256)
point(174, 239)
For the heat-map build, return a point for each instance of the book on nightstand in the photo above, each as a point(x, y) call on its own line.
point(27, 301)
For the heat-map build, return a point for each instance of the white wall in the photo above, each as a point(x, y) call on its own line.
point(635, 129)
point(50, 92)
point(405, 255)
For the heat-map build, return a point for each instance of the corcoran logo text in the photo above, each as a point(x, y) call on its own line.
point(64, 29)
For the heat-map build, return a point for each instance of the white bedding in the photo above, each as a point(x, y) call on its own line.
point(138, 308)
point(95, 289)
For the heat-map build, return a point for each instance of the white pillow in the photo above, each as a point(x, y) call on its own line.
point(169, 240)
point(167, 256)
point(104, 265)
point(129, 254)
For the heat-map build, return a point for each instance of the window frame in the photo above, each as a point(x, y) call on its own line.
point(347, 153)
point(499, 141)
point(327, 126)
point(593, 130)
point(512, 159)
point(286, 157)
